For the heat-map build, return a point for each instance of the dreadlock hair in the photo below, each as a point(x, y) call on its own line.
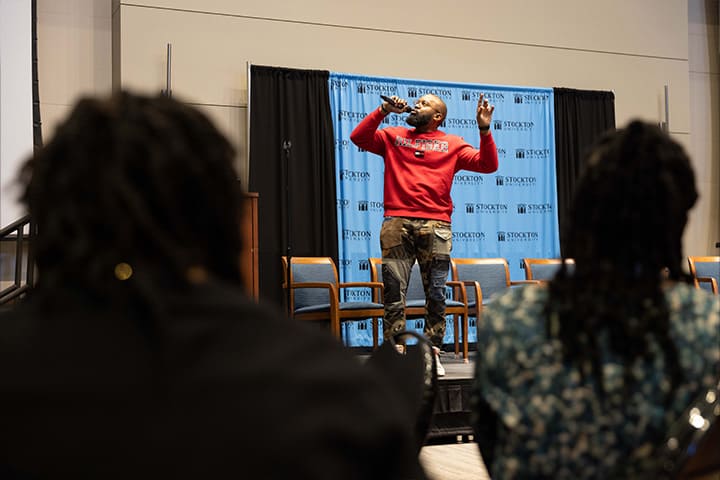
point(140, 184)
point(625, 234)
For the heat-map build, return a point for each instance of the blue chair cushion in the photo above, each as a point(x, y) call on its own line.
point(343, 306)
point(415, 303)
point(359, 305)
point(323, 307)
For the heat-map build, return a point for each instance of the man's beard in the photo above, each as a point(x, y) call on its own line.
point(416, 120)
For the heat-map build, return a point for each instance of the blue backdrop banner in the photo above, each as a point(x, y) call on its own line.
point(511, 213)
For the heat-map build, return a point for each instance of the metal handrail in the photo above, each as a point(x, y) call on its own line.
point(6, 231)
point(23, 258)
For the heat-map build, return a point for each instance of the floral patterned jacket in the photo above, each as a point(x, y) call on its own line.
point(552, 424)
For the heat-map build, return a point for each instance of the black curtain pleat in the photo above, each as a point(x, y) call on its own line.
point(37, 123)
point(296, 186)
point(581, 116)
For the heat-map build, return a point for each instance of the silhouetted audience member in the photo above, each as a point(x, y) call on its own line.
point(138, 355)
point(586, 374)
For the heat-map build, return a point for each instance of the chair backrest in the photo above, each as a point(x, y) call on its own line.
point(415, 290)
point(544, 269)
point(493, 275)
point(310, 269)
point(706, 266)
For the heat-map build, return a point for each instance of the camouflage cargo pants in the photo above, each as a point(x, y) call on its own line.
point(403, 241)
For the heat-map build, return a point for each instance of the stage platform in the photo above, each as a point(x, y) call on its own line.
point(451, 416)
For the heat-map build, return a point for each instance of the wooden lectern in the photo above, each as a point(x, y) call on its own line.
point(249, 236)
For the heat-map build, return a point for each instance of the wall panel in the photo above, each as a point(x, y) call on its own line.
point(611, 25)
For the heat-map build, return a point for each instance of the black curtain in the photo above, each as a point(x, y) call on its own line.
point(297, 201)
point(581, 116)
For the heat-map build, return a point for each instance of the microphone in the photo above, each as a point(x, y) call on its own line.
point(407, 109)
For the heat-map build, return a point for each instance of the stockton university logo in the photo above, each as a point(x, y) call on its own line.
point(511, 181)
point(416, 91)
point(351, 116)
point(343, 203)
point(513, 125)
point(534, 208)
point(370, 206)
point(444, 93)
point(354, 176)
point(359, 325)
point(363, 265)
point(376, 88)
point(343, 144)
point(393, 120)
point(338, 84)
point(474, 96)
point(469, 123)
point(484, 208)
point(467, 237)
point(532, 153)
point(357, 295)
point(468, 179)
point(518, 237)
point(356, 234)
point(531, 98)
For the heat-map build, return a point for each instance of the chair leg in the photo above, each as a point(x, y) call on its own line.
point(375, 322)
point(465, 337)
point(456, 334)
point(335, 327)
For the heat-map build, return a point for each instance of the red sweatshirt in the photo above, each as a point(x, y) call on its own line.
point(419, 167)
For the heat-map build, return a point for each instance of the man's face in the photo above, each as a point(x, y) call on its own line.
point(423, 112)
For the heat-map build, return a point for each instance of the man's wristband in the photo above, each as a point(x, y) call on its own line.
point(382, 109)
point(484, 129)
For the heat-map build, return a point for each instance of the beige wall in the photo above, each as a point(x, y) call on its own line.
point(633, 48)
point(73, 54)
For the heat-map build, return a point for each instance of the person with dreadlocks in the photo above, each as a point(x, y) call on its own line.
point(585, 375)
point(138, 355)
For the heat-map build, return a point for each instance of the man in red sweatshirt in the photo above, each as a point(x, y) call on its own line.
point(420, 164)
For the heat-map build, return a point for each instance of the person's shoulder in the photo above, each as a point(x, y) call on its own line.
point(516, 312)
point(221, 298)
point(520, 297)
point(229, 307)
point(257, 324)
point(683, 297)
point(18, 321)
point(693, 308)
